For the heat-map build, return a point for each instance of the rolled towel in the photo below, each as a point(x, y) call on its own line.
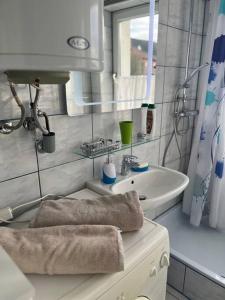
point(80, 249)
point(123, 211)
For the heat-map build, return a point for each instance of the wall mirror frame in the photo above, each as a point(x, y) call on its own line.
point(125, 82)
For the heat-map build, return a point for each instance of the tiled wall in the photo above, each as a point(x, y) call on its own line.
point(172, 49)
point(26, 174)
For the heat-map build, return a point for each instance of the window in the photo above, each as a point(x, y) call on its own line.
point(130, 38)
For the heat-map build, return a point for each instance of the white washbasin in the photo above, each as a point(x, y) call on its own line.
point(156, 186)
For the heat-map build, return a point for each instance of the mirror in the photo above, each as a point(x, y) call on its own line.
point(128, 78)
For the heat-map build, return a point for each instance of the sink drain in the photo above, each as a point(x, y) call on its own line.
point(142, 197)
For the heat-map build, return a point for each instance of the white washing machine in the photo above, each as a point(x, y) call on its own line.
point(144, 277)
point(155, 285)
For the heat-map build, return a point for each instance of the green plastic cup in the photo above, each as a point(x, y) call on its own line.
point(126, 130)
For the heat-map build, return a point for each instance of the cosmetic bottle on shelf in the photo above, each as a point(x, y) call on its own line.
point(140, 116)
point(151, 118)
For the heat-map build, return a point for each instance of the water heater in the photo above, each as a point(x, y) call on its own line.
point(51, 35)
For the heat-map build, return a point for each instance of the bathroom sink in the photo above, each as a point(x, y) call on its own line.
point(155, 187)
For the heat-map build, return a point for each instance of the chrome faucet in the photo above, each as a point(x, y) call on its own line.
point(127, 163)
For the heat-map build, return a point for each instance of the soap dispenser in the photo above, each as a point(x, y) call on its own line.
point(109, 171)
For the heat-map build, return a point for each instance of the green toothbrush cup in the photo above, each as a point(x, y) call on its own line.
point(126, 130)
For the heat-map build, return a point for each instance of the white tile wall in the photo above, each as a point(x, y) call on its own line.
point(186, 142)
point(174, 76)
point(159, 86)
point(176, 48)
point(163, 11)
point(173, 153)
point(148, 152)
point(70, 134)
point(66, 178)
point(175, 165)
point(161, 45)
point(17, 155)
point(179, 11)
point(167, 118)
point(195, 54)
point(19, 190)
point(199, 11)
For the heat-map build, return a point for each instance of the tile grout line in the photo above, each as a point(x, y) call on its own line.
point(160, 143)
point(181, 29)
point(19, 176)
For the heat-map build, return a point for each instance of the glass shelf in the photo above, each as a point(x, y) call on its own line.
point(136, 142)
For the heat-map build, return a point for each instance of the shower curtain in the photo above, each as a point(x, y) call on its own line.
point(206, 192)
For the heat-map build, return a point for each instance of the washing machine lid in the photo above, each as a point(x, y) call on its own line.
point(13, 283)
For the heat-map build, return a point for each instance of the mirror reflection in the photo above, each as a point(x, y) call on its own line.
point(123, 83)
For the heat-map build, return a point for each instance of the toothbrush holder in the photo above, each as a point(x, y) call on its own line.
point(126, 131)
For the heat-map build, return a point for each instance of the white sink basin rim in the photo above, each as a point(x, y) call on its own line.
point(155, 186)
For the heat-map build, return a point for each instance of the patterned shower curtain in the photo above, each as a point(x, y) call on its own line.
point(209, 180)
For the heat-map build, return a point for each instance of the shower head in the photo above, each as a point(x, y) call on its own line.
point(193, 73)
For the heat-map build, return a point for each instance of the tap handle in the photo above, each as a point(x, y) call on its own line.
point(129, 158)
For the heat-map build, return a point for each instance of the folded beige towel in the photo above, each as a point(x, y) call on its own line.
point(123, 211)
point(80, 249)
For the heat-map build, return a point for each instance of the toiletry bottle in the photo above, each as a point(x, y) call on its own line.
point(139, 119)
point(144, 111)
point(151, 116)
point(109, 172)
